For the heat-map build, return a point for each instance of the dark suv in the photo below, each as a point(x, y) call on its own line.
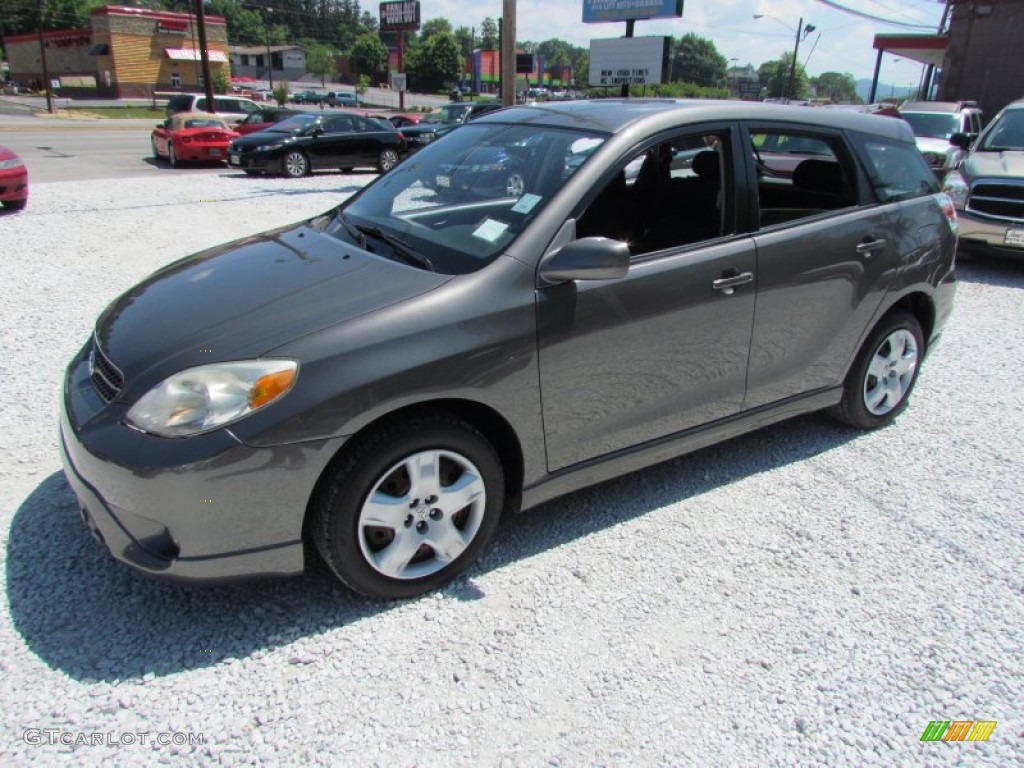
point(444, 120)
point(377, 385)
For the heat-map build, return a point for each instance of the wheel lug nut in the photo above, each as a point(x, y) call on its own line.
point(421, 526)
point(430, 500)
point(408, 521)
point(435, 514)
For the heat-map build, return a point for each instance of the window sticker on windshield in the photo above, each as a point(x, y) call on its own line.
point(443, 181)
point(490, 230)
point(526, 203)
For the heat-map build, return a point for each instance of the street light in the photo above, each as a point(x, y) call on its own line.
point(801, 34)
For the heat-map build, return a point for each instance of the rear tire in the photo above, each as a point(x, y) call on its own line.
point(295, 164)
point(409, 506)
point(878, 386)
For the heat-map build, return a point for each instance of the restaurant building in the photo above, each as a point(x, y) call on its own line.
point(125, 52)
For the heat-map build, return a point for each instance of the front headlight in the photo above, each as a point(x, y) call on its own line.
point(957, 189)
point(267, 147)
point(6, 165)
point(208, 397)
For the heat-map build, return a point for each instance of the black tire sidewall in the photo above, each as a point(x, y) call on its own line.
point(336, 529)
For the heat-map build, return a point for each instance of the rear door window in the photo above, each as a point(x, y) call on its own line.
point(800, 174)
point(897, 171)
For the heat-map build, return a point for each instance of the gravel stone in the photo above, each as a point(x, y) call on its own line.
point(802, 595)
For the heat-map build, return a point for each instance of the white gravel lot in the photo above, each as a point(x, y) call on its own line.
point(804, 595)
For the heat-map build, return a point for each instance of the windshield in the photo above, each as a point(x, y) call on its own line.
point(1006, 132)
point(932, 125)
point(458, 203)
point(293, 124)
point(445, 116)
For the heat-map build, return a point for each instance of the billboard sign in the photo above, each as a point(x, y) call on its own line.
point(595, 11)
point(396, 16)
point(628, 61)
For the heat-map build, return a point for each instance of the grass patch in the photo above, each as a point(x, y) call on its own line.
point(123, 112)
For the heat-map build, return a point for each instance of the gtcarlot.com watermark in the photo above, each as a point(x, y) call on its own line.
point(39, 736)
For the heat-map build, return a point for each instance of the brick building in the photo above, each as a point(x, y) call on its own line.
point(124, 53)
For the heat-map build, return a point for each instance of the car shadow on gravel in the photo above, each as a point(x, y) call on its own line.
point(1006, 273)
point(97, 620)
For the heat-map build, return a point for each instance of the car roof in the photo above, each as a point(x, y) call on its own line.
point(939, 106)
point(616, 115)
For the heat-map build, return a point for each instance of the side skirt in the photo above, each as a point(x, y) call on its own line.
point(623, 462)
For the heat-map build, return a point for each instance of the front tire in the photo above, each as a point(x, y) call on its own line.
point(409, 507)
point(387, 160)
point(172, 157)
point(295, 164)
point(156, 155)
point(878, 386)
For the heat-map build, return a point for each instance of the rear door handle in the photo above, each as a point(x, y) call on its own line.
point(727, 285)
point(870, 246)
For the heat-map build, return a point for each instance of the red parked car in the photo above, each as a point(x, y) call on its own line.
point(402, 120)
point(189, 136)
point(263, 118)
point(13, 181)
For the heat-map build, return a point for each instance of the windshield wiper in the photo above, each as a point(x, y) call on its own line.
point(398, 246)
point(350, 229)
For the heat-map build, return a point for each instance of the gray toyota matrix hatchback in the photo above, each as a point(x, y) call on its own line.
point(548, 297)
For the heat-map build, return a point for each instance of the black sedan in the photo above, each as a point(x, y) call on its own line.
point(307, 142)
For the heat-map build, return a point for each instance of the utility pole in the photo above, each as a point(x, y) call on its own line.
point(792, 64)
point(205, 54)
point(42, 54)
point(508, 52)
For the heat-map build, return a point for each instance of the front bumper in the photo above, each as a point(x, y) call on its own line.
point(13, 185)
point(208, 508)
point(982, 233)
point(254, 161)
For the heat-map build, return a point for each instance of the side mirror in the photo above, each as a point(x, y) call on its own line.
point(961, 140)
point(590, 258)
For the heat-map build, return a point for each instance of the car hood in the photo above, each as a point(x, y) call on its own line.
point(263, 137)
point(1006, 164)
point(242, 299)
point(932, 144)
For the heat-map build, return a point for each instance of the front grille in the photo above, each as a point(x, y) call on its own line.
point(105, 376)
point(1004, 200)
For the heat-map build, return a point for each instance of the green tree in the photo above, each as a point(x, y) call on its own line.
point(435, 64)
point(466, 40)
point(370, 56)
point(433, 27)
point(840, 88)
point(695, 59)
point(775, 76)
point(489, 34)
point(320, 61)
point(281, 92)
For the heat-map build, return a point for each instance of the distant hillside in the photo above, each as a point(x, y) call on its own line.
point(884, 91)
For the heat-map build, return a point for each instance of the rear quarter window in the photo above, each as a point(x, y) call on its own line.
point(897, 171)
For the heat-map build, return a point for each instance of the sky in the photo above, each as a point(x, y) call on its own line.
point(841, 42)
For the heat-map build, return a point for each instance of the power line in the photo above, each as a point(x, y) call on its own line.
point(871, 17)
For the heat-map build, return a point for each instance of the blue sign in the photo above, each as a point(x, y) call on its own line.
point(595, 11)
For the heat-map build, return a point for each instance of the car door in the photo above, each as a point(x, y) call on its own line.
point(825, 256)
point(335, 146)
point(664, 349)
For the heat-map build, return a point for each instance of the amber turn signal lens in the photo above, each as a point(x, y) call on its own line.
point(270, 387)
